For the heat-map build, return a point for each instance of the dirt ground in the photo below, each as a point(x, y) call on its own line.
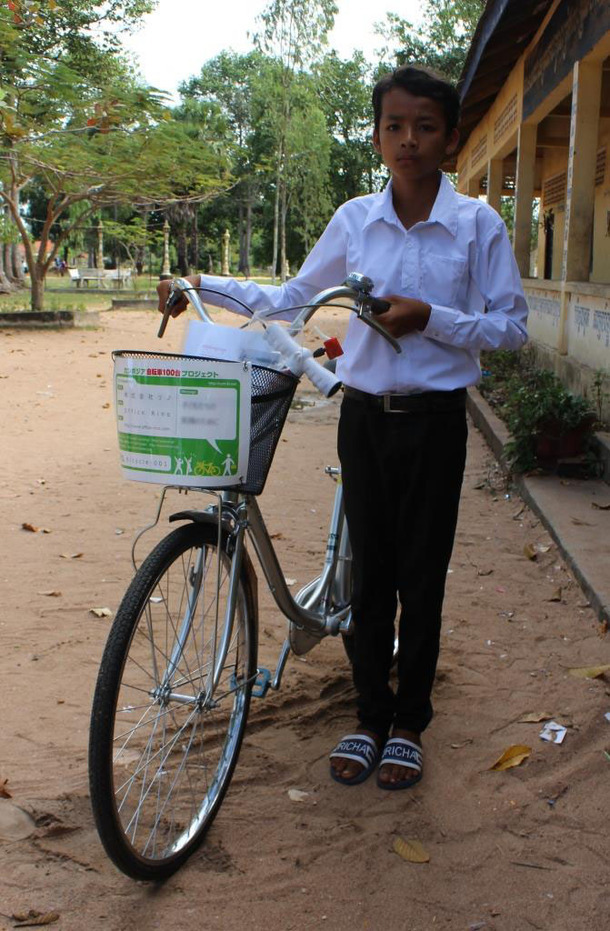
point(508, 850)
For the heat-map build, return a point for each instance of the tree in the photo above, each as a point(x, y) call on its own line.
point(87, 141)
point(443, 39)
point(293, 34)
point(344, 89)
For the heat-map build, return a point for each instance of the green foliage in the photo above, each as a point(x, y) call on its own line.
point(441, 42)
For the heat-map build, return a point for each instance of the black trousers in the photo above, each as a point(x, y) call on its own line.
point(402, 478)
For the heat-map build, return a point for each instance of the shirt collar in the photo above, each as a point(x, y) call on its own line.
point(444, 209)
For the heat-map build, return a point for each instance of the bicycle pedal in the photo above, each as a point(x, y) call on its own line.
point(261, 683)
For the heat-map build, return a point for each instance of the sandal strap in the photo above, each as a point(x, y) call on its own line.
point(402, 752)
point(358, 747)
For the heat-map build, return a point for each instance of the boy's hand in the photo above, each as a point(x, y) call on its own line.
point(163, 292)
point(405, 315)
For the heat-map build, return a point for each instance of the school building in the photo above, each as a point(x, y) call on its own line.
point(536, 128)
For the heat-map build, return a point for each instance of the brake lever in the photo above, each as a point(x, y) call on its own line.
point(368, 318)
point(171, 300)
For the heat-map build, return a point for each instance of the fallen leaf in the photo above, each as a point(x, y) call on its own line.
point(295, 795)
point(484, 571)
point(70, 555)
point(51, 594)
point(411, 850)
point(101, 612)
point(581, 523)
point(512, 756)
point(105, 406)
point(544, 547)
point(556, 596)
point(33, 529)
point(277, 536)
point(34, 919)
point(588, 672)
point(534, 717)
point(500, 589)
point(530, 551)
point(4, 792)
point(600, 507)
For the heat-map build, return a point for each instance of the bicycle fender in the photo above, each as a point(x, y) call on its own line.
point(204, 517)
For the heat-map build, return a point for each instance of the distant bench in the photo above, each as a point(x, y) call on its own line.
point(101, 277)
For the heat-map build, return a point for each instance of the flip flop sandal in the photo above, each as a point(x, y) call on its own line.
point(362, 749)
point(401, 752)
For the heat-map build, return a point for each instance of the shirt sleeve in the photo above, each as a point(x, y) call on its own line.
point(496, 275)
point(324, 267)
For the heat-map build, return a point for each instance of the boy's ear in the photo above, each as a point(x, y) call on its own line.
point(376, 144)
point(452, 142)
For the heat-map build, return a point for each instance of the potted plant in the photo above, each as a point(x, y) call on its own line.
point(546, 421)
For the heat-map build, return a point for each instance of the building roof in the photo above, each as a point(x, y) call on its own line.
point(503, 32)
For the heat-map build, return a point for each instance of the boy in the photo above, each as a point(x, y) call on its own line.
point(445, 264)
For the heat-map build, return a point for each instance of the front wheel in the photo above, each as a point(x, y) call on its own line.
point(164, 740)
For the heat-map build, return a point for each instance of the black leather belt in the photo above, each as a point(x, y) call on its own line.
point(426, 402)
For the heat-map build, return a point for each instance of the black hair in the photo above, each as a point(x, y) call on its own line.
point(421, 82)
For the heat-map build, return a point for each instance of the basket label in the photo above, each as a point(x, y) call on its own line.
point(183, 421)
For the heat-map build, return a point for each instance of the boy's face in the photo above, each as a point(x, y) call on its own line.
point(412, 137)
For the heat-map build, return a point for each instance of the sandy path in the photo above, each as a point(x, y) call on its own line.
point(522, 849)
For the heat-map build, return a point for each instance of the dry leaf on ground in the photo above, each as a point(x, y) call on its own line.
point(588, 672)
point(411, 850)
point(33, 529)
point(101, 612)
point(296, 795)
point(34, 919)
point(600, 507)
point(52, 593)
point(530, 551)
point(70, 555)
point(4, 792)
point(581, 523)
point(512, 756)
point(534, 717)
point(556, 596)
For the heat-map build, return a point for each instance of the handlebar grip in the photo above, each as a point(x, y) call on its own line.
point(300, 360)
point(326, 382)
point(377, 306)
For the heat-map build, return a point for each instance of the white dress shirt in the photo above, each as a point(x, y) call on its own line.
point(459, 261)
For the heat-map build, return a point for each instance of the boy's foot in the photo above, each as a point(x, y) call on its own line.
point(351, 771)
point(408, 771)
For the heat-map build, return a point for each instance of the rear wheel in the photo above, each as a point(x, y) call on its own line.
point(163, 744)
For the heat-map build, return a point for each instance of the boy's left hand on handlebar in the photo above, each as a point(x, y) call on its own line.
point(406, 315)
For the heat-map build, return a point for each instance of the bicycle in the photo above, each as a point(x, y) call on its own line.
point(180, 665)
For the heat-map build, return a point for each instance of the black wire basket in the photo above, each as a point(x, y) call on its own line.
point(272, 394)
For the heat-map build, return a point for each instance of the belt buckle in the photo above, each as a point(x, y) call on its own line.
point(387, 406)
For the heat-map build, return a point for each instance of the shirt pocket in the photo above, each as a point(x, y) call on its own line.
point(440, 278)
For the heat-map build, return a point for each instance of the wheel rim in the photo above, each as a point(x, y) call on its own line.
point(174, 747)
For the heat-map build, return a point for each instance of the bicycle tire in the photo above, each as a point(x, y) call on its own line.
point(161, 760)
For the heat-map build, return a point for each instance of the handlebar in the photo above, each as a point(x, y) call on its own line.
point(299, 360)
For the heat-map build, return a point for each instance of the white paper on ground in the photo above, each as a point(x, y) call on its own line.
point(553, 732)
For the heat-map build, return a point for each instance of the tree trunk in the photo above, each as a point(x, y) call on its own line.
point(194, 263)
point(276, 221)
point(37, 287)
point(241, 226)
point(283, 262)
point(5, 285)
point(181, 246)
point(17, 265)
point(248, 235)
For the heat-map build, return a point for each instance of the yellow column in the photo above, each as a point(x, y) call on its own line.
point(474, 187)
point(584, 130)
point(524, 195)
point(495, 176)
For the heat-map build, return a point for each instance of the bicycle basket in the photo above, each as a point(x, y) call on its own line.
point(272, 394)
